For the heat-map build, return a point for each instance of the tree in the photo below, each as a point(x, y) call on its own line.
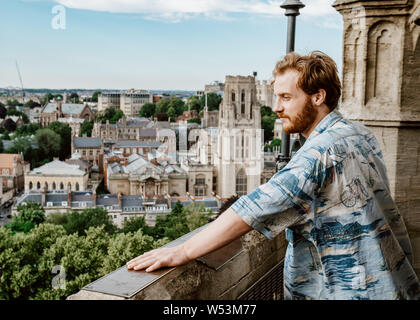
point(3, 111)
point(5, 135)
point(180, 221)
point(117, 116)
point(194, 120)
point(147, 110)
point(133, 225)
point(79, 222)
point(111, 114)
point(213, 101)
point(28, 217)
point(268, 118)
point(95, 96)
point(177, 104)
point(64, 131)
point(12, 103)
point(49, 143)
point(9, 125)
point(20, 144)
point(193, 103)
point(31, 104)
point(172, 114)
point(74, 97)
point(275, 143)
point(87, 128)
point(46, 99)
point(162, 106)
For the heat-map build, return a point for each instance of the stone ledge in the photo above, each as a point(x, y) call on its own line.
point(224, 274)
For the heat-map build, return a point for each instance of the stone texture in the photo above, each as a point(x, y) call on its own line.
point(381, 79)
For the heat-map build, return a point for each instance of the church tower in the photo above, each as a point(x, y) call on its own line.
point(239, 158)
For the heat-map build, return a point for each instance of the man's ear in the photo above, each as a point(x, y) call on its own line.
point(319, 97)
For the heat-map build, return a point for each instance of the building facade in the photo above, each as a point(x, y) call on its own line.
point(239, 161)
point(56, 175)
point(53, 111)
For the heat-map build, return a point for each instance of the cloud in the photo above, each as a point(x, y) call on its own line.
point(179, 10)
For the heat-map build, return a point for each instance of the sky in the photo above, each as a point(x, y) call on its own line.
point(154, 44)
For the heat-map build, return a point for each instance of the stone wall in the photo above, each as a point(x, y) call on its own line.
point(222, 275)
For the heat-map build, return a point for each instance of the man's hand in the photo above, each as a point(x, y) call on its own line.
point(226, 228)
point(158, 258)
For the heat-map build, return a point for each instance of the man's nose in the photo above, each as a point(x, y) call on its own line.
point(277, 106)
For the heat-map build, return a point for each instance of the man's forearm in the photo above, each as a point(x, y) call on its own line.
point(226, 228)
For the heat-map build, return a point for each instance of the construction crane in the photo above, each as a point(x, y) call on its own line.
point(21, 83)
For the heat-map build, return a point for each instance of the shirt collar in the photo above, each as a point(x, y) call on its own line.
point(328, 121)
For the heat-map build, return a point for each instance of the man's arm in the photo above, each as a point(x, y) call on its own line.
point(226, 228)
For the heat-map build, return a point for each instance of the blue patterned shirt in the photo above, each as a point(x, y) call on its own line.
point(347, 239)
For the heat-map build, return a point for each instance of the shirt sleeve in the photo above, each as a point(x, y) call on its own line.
point(286, 198)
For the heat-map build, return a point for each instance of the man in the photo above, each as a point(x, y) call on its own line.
point(346, 237)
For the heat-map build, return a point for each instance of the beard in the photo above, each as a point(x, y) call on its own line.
point(302, 121)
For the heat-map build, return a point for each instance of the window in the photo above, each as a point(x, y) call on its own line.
point(243, 96)
point(233, 96)
point(199, 192)
point(200, 180)
point(77, 186)
point(31, 185)
point(38, 185)
point(241, 183)
point(61, 186)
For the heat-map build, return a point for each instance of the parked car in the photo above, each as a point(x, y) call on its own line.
point(1, 216)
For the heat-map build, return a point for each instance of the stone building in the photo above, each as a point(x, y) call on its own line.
point(381, 80)
point(12, 172)
point(210, 118)
point(130, 101)
point(90, 149)
point(239, 160)
point(53, 111)
point(56, 175)
point(136, 175)
point(125, 129)
point(108, 100)
point(265, 96)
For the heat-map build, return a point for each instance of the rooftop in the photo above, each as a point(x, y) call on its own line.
point(57, 167)
point(87, 142)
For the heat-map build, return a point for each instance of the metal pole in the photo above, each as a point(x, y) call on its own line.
point(292, 11)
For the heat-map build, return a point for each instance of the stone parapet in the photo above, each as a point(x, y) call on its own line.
point(225, 274)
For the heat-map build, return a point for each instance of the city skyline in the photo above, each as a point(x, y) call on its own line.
point(154, 45)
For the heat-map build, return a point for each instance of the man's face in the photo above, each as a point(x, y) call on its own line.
point(293, 106)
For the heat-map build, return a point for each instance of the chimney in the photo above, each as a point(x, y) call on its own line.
point(94, 199)
point(43, 196)
point(119, 199)
point(59, 108)
point(69, 198)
